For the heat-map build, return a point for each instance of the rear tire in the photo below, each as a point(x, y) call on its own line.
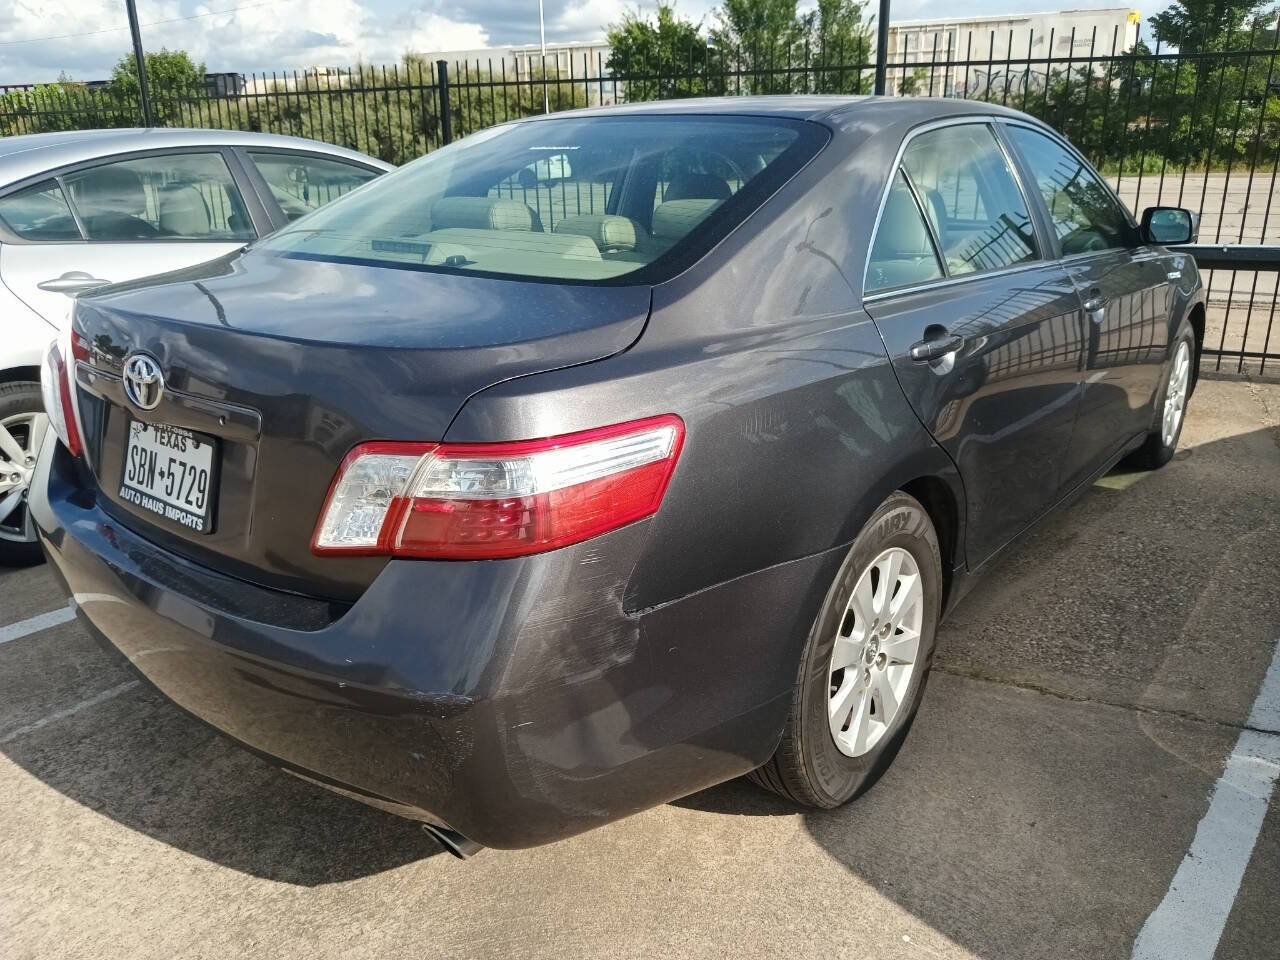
point(1171, 405)
point(829, 754)
point(22, 428)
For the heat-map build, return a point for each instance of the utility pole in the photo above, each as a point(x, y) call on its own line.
point(148, 120)
point(882, 48)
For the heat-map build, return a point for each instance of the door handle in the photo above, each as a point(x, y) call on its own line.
point(73, 281)
point(926, 351)
point(1096, 308)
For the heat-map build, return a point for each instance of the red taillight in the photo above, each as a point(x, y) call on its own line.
point(56, 389)
point(485, 501)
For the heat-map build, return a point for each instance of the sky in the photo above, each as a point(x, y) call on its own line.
point(40, 39)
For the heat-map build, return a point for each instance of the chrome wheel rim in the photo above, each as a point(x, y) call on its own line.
point(874, 657)
point(1175, 394)
point(20, 438)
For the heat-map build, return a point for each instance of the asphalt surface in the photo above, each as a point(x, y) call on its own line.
point(1087, 698)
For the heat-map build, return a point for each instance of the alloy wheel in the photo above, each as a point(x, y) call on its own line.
point(1175, 395)
point(875, 653)
point(20, 438)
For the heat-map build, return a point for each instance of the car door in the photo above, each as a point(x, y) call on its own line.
point(1125, 295)
point(291, 183)
point(983, 329)
point(117, 219)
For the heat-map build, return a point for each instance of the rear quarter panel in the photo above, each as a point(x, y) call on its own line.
point(796, 429)
point(24, 334)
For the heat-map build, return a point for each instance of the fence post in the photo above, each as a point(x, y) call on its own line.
point(442, 84)
point(882, 48)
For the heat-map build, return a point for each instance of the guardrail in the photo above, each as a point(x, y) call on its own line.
point(1243, 286)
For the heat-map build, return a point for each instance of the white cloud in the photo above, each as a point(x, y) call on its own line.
point(285, 34)
point(291, 34)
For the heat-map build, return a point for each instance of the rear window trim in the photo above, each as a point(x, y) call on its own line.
point(813, 137)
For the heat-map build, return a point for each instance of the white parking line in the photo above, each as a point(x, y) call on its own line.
point(1189, 921)
point(93, 701)
point(41, 621)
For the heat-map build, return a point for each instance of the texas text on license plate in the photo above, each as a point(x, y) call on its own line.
point(169, 471)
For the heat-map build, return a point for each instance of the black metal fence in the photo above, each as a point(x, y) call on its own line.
point(1166, 125)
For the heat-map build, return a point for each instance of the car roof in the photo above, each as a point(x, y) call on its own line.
point(30, 154)
point(870, 113)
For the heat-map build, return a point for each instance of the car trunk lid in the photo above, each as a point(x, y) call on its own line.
point(288, 363)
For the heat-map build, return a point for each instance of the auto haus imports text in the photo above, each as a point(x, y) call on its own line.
point(159, 506)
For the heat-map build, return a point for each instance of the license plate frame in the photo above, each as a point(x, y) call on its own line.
point(148, 479)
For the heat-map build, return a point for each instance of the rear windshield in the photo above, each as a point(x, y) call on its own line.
point(587, 199)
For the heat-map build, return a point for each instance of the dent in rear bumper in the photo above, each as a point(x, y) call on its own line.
point(513, 701)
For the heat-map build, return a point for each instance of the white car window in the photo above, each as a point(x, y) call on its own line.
point(39, 212)
point(301, 184)
point(188, 196)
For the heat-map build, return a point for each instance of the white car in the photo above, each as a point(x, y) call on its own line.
point(82, 209)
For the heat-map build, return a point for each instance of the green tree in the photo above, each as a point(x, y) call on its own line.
point(173, 81)
point(1202, 25)
point(661, 58)
point(765, 40)
point(837, 38)
point(912, 84)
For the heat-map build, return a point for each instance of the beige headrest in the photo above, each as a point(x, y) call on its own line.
point(673, 219)
point(483, 213)
point(183, 212)
point(609, 231)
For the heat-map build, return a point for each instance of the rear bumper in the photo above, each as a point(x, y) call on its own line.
point(512, 701)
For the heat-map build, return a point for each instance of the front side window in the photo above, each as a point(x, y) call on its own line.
point(39, 212)
point(170, 197)
point(971, 198)
point(587, 199)
point(1085, 215)
point(301, 184)
point(903, 253)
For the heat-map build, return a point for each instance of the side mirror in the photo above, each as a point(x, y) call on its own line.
point(1168, 225)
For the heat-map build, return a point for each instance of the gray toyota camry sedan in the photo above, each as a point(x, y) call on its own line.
point(601, 457)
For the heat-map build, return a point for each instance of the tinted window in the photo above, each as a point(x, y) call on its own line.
point(903, 252)
point(971, 197)
point(170, 197)
point(301, 184)
point(1084, 213)
point(586, 199)
point(39, 212)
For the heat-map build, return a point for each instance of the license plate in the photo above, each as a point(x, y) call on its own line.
point(169, 471)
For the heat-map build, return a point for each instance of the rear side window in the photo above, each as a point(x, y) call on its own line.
point(971, 198)
point(903, 253)
point(301, 183)
point(39, 212)
point(1085, 215)
point(169, 197)
point(586, 199)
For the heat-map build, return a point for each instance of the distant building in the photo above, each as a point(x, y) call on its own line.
point(581, 61)
point(1014, 38)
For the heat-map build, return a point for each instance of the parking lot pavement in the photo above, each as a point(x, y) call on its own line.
point(1063, 770)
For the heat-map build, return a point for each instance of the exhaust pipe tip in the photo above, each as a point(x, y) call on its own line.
point(453, 842)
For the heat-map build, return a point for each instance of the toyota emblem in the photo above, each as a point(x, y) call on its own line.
point(143, 381)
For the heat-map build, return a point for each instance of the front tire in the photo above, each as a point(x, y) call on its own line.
point(22, 428)
point(865, 664)
point(1171, 406)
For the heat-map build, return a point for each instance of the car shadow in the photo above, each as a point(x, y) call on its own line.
point(1068, 742)
point(1030, 813)
point(145, 764)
